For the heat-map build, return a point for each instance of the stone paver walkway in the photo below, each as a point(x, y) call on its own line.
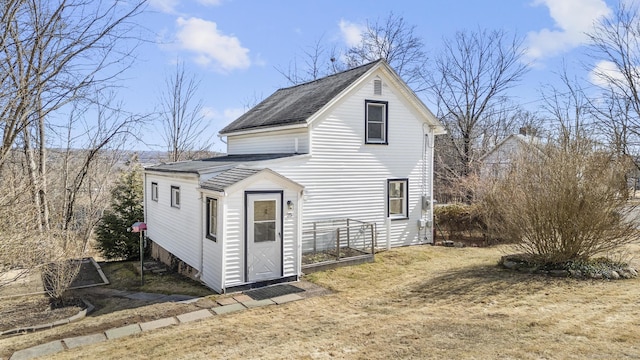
point(223, 306)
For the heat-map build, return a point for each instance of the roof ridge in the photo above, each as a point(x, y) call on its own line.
point(372, 63)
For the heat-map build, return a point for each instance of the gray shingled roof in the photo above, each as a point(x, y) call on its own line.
point(204, 165)
point(294, 105)
point(228, 178)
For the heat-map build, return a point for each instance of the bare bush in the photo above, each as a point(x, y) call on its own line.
point(564, 203)
point(64, 252)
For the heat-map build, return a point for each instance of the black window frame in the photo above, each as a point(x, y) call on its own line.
point(208, 233)
point(385, 122)
point(154, 191)
point(406, 199)
point(174, 203)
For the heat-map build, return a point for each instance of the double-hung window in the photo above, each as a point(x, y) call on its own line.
point(175, 196)
point(154, 191)
point(212, 219)
point(398, 198)
point(376, 122)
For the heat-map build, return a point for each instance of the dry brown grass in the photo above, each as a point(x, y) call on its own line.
point(413, 302)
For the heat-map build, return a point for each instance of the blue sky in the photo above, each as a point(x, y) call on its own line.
point(235, 46)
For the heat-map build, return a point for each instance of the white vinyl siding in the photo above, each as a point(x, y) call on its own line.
point(212, 252)
point(345, 178)
point(234, 238)
point(176, 230)
point(273, 142)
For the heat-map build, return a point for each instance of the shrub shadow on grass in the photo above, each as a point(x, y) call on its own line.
point(476, 283)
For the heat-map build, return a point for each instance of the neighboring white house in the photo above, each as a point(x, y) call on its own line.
point(498, 160)
point(356, 145)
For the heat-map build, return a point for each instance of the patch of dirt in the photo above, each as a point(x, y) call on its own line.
point(21, 312)
point(32, 310)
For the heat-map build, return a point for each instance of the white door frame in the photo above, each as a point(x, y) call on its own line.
point(279, 195)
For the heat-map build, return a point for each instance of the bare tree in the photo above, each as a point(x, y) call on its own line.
point(54, 54)
point(470, 83)
point(569, 109)
point(615, 49)
point(182, 118)
point(51, 53)
point(390, 38)
point(317, 61)
point(395, 41)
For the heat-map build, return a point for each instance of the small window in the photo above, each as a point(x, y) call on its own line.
point(212, 219)
point(376, 122)
point(264, 221)
point(175, 196)
point(397, 202)
point(154, 191)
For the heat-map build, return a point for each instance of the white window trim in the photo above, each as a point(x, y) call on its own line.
point(175, 196)
point(154, 191)
point(209, 234)
point(385, 122)
point(405, 200)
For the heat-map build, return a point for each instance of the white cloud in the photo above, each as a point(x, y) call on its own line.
point(211, 47)
point(223, 117)
point(604, 72)
point(351, 33)
point(165, 6)
point(573, 18)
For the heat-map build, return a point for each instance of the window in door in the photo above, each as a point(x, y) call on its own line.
point(264, 220)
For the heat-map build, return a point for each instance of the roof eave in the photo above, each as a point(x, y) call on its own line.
point(264, 129)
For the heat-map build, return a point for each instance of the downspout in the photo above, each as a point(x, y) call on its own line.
point(427, 181)
point(220, 137)
point(429, 157)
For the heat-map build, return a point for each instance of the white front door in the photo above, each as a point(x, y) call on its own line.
point(264, 236)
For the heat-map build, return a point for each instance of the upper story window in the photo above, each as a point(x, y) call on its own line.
point(376, 122)
point(398, 198)
point(212, 219)
point(175, 196)
point(154, 191)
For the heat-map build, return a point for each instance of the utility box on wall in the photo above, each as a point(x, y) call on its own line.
point(426, 202)
point(422, 223)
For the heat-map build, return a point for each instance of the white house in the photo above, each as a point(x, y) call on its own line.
point(498, 160)
point(356, 145)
